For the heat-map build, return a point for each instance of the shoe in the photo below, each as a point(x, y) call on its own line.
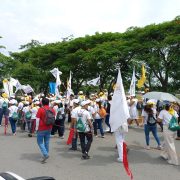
point(164, 157)
point(73, 149)
point(119, 160)
point(148, 147)
point(102, 136)
point(44, 159)
point(159, 147)
point(178, 138)
point(14, 134)
point(170, 162)
point(61, 137)
point(52, 136)
point(29, 135)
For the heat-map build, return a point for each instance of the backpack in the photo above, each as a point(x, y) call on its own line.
point(151, 121)
point(60, 116)
point(102, 112)
point(15, 116)
point(4, 105)
point(139, 106)
point(49, 117)
point(28, 115)
point(80, 125)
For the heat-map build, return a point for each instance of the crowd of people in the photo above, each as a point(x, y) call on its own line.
point(85, 117)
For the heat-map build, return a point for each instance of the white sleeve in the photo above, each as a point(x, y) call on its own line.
point(161, 115)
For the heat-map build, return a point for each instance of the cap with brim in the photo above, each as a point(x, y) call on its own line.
point(76, 101)
point(85, 102)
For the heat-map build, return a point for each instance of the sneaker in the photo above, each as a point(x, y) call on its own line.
point(119, 160)
point(61, 137)
point(29, 135)
point(44, 159)
point(159, 147)
point(102, 136)
point(148, 147)
point(164, 157)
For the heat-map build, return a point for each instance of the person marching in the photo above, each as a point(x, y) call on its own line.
point(169, 151)
point(84, 128)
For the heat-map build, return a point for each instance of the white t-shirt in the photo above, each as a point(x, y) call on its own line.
point(34, 111)
point(166, 116)
point(20, 106)
point(96, 109)
point(133, 110)
point(12, 109)
point(74, 112)
point(91, 111)
point(85, 115)
point(26, 109)
point(145, 115)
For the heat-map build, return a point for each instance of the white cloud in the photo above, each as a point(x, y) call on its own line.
point(50, 20)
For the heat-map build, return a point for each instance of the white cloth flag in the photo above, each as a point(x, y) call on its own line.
point(27, 88)
point(56, 73)
point(132, 89)
point(18, 86)
point(69, 90)
point(94, 82)
point(119, 112)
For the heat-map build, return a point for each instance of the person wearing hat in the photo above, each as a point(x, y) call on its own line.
point(4, 108)
point(76, 108)
point(13, 115)
point(169, 151)
point(149, 120)
point(98, 118)
point(85, 130)
point(33, 110)
point(81, 96)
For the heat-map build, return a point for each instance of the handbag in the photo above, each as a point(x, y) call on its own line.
point(173, 124)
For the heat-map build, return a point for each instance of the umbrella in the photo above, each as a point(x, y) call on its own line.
point(162, 96)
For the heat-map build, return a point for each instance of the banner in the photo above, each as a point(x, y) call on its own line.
point(52, 87)
point(56, 73)
point(27, 88)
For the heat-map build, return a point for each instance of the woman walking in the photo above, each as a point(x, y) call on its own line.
point(169, 152)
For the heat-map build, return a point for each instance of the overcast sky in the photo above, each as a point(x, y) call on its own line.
point(51, 20)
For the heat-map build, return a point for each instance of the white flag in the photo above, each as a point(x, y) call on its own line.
point(119, 112)
point(13, 81)
point(27, 88)
point(69, 90)
point(56, 73)
point(94, 82)
point(132, 90)
point(18, 86)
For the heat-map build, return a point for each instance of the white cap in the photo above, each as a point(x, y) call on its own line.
point(98, 100)
point(76, 101)
point(13, 101)
point(83, 103)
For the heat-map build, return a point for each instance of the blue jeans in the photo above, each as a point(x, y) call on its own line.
point(13, 124)
point(107, 120)
point(3, 112)
point(153, 129)
point(43, 138)
point(99, 123)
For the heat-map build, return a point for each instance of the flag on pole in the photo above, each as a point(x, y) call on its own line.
point(6, 87)
point(94, 82)
point(18, 86)
point(132, 89)
point(119, 114)
point(69, 90)
point(143, 77)
point(56, 73)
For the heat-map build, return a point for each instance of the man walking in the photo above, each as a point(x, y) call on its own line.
point(44, 128)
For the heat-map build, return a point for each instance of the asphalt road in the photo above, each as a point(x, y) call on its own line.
point(20, 154)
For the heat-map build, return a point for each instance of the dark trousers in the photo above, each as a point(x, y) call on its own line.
point(107, 121)
point(58, 126)
point(85, 147)
point(178, 132)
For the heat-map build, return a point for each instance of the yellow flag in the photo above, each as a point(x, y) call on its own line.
point(143, 78)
